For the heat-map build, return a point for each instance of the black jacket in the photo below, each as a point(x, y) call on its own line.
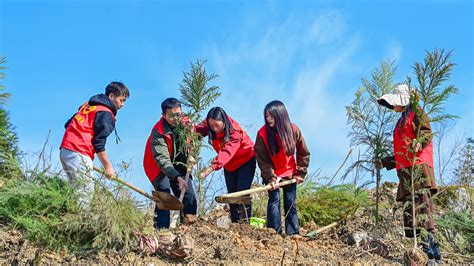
point(104, 122)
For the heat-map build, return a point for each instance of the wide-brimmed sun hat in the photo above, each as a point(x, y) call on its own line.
point(400, 96)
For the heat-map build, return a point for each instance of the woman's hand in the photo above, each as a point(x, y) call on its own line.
point(274, 183)
point(417, 147)
point(298, 179)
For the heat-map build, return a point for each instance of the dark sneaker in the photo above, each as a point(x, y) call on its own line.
point(436, 252)
point(426, 247)
point(434, 246)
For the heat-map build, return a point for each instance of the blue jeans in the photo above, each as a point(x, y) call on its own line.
point(163, 184)
point(292, 225)
point(238, 180)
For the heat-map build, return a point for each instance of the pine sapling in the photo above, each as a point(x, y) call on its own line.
point(196, 95)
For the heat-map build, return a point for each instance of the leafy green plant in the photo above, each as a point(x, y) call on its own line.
point(110, 222)
point(46, 209)
point(372, 124)
point(196, 95)
point(195, 92)
point(431, 74)
point(464, 172)
point(325, 205)
point(36, 207)
point(4, 96)
point(457, 231)
point(428, 97)
point(9, 151)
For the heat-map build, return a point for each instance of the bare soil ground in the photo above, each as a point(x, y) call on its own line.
point(244, 244)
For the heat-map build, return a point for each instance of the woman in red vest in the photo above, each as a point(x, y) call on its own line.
point(281, 153)
point(413, 153)
point(234, 153)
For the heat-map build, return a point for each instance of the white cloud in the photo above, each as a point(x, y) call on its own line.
point(296, 61)
point(327, 28)
point(394, 50)
point(311, 91)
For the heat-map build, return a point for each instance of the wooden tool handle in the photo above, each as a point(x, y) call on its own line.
point(183, 191)
point(116, 179)
point(257, 189)
point(320, 230)
point(191, 163)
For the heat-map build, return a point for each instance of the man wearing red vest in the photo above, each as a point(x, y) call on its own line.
point(165, 163)
point(86, 134)
point(413, 153)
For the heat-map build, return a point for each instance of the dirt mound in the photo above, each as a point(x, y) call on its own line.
point(241, 243)
point(352, 241)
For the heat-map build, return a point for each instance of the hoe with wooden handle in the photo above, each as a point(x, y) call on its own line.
point(120, 181)
point(242, 197)
point(164, 200)
point(167, 201)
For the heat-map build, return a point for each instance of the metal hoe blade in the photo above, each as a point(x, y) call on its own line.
point(166, 201)
point(235, 200)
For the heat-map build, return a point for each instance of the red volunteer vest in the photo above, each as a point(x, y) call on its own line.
point(283, 165)
point(403, 137)
point(243, 154)
point(80, 131)
point(152, 170)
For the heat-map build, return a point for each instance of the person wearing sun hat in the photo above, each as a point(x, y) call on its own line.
point(400, 96)
point(410, 155)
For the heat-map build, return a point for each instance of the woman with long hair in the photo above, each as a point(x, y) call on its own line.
point(281, 153)
point(235, 154)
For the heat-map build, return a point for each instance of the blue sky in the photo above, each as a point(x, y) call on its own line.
point(309, 54)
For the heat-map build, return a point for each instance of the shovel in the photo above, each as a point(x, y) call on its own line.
point(242, 197)
point(167, 201)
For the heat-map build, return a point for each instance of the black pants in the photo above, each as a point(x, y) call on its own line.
point(163, 184)
point(238, 180)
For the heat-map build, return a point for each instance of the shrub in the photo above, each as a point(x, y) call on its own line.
point(324, 205)
point(46, 209)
